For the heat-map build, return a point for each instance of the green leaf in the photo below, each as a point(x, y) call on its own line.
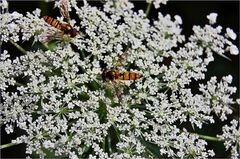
point(109, 93)
point(152, 149)
point(52, 45)
point(102, 111)
point(93, 86)
point(138, 106)
point(83, 96)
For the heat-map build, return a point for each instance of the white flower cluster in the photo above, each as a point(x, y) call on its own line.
point(231, 138)
point(219, 95)
point(229, 33)
point(157, 3)
point(14, 23)
point(57, 96)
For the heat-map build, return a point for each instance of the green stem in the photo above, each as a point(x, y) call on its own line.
point(210, 138)
point(167, 90)
point(225, 57)
point(148, 9)
point(82, 54)
point(45, 46)
point(19, 47)
point(104, 144)
point(109, 144)
point(116, 130)
point(19, 84)
point(7, 145)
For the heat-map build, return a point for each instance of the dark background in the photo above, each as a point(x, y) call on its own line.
point(192, 13)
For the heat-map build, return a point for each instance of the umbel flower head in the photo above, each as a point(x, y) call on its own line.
point(58, 94)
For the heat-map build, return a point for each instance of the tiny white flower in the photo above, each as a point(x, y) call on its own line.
point(178, 19)
point(48, 144)
point(157, 3)
point(9, 129)
point(234, 50)
point(228, 79)
point(4, 4)
point(238, 101)
point(230, 33)
point(212, 17)
point(219, 29)
point(12, 27)
point(16, 15)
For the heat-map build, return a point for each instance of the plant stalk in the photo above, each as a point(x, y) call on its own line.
point(7, 145)
point(148, 9)
point(19, 47)
point(210, 138)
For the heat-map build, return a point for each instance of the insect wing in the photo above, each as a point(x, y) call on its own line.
point(63, 6)
point(50, 35)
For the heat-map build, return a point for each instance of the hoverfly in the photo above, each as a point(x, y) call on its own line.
point(66, 28)
point(116, 80)
point(115, 75)
point(119, 82)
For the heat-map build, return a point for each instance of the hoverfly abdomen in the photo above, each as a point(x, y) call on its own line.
point(127, 75)
point(53, 22)
point(114, 75)
point(62, 26)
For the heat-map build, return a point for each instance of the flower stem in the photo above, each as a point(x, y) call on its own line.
point(18, 47)
point(210, 138)
point(82, 54)
point(19, 84)
point(116, 130)
point(148, 9)
point(7, 145)
point(104, 144)
point(224, 56)
point(109, 144)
